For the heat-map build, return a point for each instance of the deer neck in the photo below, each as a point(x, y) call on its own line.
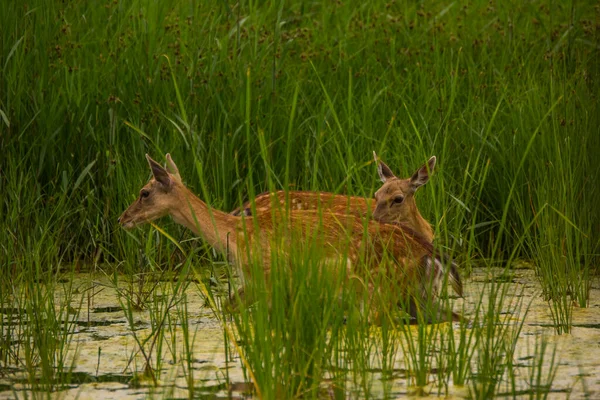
point(417, 222)
point(217, 228)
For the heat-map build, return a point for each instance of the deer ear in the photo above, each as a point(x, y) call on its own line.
point(422, 175)
point(172, 168)
point(160, 174)
point(383, 170)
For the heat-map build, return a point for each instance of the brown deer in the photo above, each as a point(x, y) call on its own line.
point(385, 250)
point(394, 201)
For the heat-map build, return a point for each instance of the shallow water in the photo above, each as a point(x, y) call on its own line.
point(104, 353)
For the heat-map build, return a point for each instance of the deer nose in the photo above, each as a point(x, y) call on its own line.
point(119, 220)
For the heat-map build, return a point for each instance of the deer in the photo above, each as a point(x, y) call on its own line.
point(394, 202)
point(393, 250)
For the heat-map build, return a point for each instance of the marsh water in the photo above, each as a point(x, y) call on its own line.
point(106, 361)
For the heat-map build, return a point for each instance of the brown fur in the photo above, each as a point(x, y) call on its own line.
point(304, 200)
point(382, 208)
point(344, 239)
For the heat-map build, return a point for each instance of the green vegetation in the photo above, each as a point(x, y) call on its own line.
point(257, 96)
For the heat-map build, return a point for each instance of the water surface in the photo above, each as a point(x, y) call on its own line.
point(107, 362)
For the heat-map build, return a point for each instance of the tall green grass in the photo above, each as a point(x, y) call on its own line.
point(85, 86)
point(252, 96)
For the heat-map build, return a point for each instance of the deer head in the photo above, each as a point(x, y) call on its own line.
point(157, 197)
point(395, 199)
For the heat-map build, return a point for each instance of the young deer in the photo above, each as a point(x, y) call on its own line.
point(341, 237)
point(394, 201)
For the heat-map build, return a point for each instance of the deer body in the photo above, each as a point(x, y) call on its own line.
point(394, 201)
point(341, 237)
point(305, 200)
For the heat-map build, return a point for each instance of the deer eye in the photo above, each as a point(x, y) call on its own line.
point(144, 194)
point(398, 200)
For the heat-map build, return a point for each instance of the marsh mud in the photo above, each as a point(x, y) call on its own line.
point(102, 357)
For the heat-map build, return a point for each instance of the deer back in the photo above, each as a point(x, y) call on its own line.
point(306, 201)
